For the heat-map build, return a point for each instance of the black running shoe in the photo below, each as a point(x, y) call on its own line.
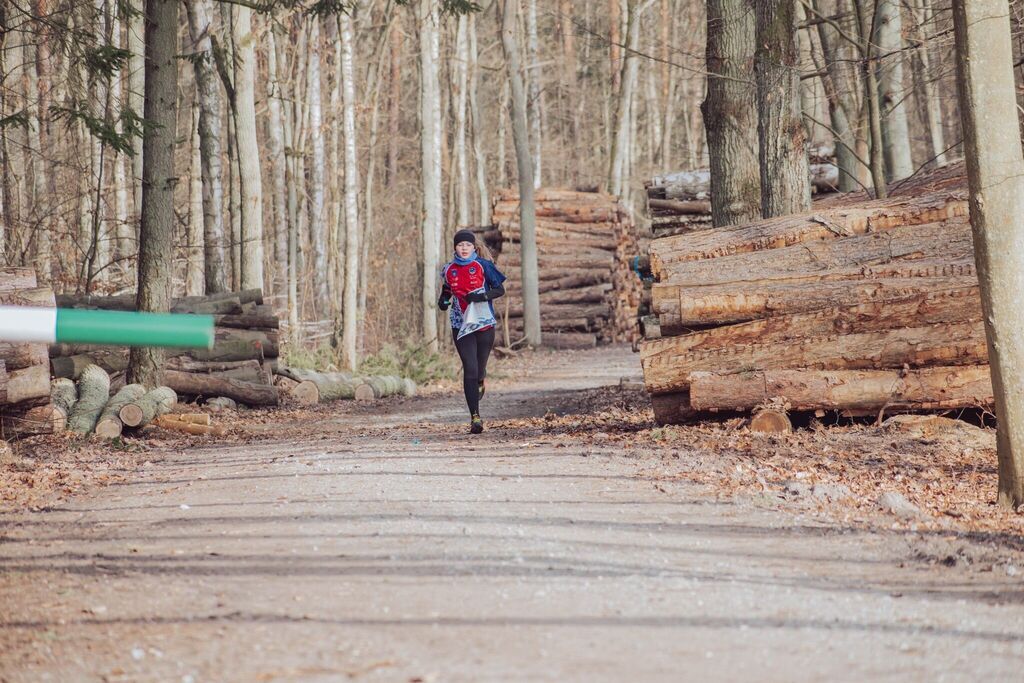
point(481, 387)
point(476, 426)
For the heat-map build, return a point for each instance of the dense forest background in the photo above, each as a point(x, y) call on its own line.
point(299, 129)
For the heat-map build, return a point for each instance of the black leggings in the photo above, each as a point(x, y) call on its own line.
point(474, 349)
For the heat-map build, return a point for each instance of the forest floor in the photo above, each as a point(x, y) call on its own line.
point(573, 540)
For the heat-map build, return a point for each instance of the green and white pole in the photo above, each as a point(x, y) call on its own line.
point(23, 324)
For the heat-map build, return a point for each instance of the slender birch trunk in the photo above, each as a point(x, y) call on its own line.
point(394, 104)
point(619, 166)
point(431, 149)
point(995, 174)
point(353, 238)
point(503, 176)
point(215, 276)
point(932, 101)
point(40, 229)
point(527, 207)
point(251, 189)
point(888, 39)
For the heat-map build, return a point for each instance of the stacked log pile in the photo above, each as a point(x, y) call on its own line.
point(240, 366)
point(25, 405)
point(585, 296)
point(680, 202)
point(857, 309)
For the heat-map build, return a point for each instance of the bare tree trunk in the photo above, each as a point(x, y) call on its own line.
point(479, 155)
point(353, 238)
point(868, 56)
point(317, 174)
point(535, 102)
point(785, 177)
point(503, 176)
point(335, 216)
point(251, 188)
point(730, 114)
point(194, 249)
point(615, 43)
point(995, 174)
point(842, 91)
point(569, 88)
point(527, 208)
point(461, 82)
point(932, 102)
point(431, 151)
point(215, 275)
point(155, 244)
point(276, 152)
point(394, 104)
point(136, 87)
point(618, 166)
point(36, 117)
point(124, 235)
point(888, 39)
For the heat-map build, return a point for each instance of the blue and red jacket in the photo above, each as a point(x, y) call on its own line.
point(463, 279)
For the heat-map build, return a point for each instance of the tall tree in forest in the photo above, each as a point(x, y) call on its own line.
point(36, 138)
point(888, 40)
point(785, 177)
point(476, 117)
point(535, 99)
point(317, 175)
point(251, 187)
point(276, 151)
point(460, 78)
point(215, 277)
point(158, 178)
point(618, 169)
point(924, 18)
point(842, 89)
point(431, 152)
point(353, 228)
point(730, 114)
point(527, 206)
point(995, 174)
point(136, 86)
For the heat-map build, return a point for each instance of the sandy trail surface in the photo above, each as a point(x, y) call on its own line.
point(385, 544)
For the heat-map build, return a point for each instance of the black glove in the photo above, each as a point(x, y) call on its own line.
point(445, 300)
point(477, 297)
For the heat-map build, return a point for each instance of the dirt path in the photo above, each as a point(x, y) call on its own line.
point(386, 546)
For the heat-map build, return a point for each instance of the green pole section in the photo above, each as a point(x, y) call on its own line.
point(123, 328)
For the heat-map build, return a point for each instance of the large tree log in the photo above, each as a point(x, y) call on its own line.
point(93, 392)
point(951, 344)
point(248, 321)
point(825, 224)
point(30, 384)
point(14, 278)
point(930, 308)
point(110, 359)
point(109, 425)
point(143, 410)
point(950, 240)
point(743, 301)
point(215, 304)
point(195, 384)
point(672, 408)
point(17, 356)
point(317, 387)
point(938, 388)
point(546, 195)
point(63, 394)
point(43, 419)
point(382, 386)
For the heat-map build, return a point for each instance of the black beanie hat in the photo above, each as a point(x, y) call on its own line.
point(464, 236)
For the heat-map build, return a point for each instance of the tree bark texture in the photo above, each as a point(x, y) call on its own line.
point(730, 114)
point(888, 40)
point(527, 206)
point(354, 229)
point(251, 187)
point(431, 153)
point(158, 179)
point(785, 177)
point(215, 277)
point(995, 174)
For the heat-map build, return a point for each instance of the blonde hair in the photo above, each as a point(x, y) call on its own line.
point(482, 250)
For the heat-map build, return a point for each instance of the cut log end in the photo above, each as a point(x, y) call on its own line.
point(131, 415)
point(771, 422)
point(306, 393)
point(364, 392)
point(109, 428)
